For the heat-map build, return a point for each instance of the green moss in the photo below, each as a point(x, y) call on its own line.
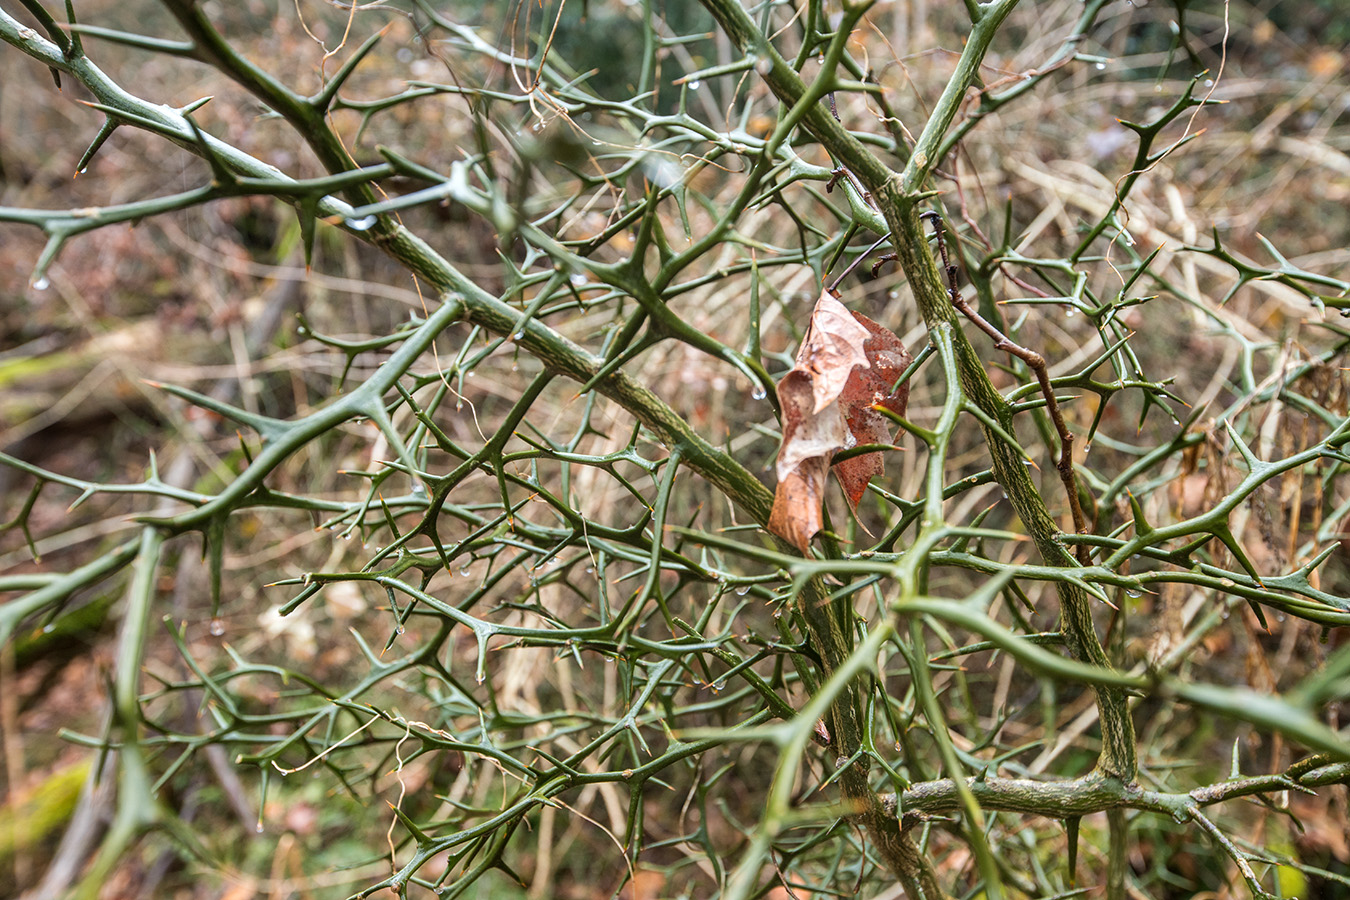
point(35, 817)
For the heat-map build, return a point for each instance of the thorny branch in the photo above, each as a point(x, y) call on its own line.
point(1038, 365)
point(834, 666)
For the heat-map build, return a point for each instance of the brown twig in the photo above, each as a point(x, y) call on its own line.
point(1037, 364)
point(834, 287)
point(841, 173)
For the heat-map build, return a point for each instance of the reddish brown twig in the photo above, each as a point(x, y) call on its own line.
point(1037, 364)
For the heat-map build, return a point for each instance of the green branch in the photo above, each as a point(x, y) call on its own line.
point(898, 197)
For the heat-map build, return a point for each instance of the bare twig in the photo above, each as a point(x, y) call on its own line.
point(834, 286)
point(1238, 857)
point(1037, 364)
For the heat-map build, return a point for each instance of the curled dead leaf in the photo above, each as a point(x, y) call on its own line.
point(845, 368)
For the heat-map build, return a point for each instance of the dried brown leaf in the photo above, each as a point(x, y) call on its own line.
point(845, 368)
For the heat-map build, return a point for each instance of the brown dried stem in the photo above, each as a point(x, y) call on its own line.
point(1037, 364)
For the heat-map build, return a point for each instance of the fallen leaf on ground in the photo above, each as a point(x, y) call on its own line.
point(845, 367)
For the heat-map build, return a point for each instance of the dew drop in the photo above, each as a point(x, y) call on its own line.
point(742, 590)
point(578, 279)
point(519, 335)
point(48, 629)
point(400, 630)
point(217, 627)
point(464, 570)
point(362, 224)
point(758, 394)
point(718, 686)
point(42, 284)
point(695, 85)
point(1069, 312)
point(1209, 82)
point(84, 170)
point(258, 828)
point(1087, 448)
point(1101, 66)
point(1133, 592)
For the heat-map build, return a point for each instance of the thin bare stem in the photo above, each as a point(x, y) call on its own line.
point(1038, 365)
